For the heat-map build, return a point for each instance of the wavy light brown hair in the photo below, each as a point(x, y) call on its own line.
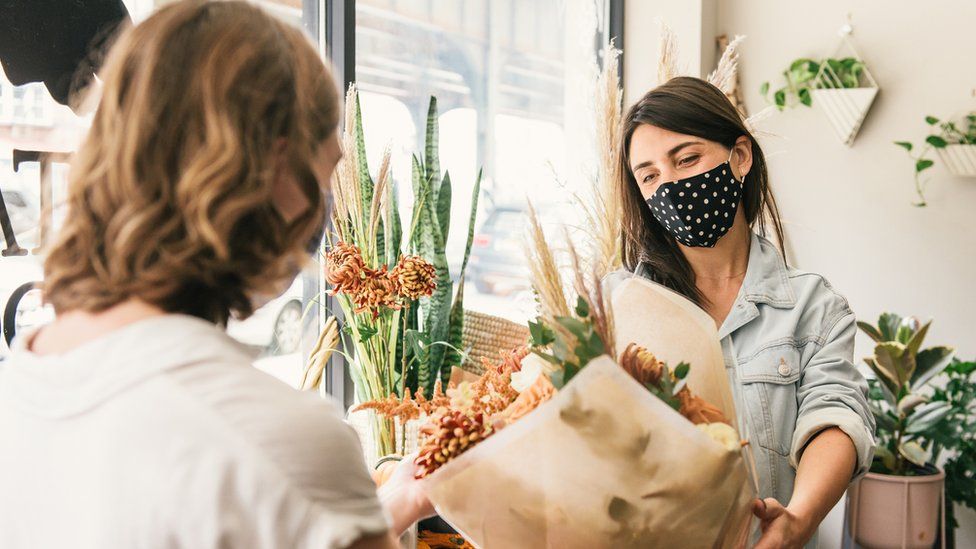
point(689, 106)
point(170, 196)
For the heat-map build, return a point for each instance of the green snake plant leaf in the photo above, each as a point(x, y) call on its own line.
point(444, 207)
point(455, 334)
point(475, 194)
point(930, 363)
point(362, 166)
point(394, 232)
point(871, 331)
point(431, 156)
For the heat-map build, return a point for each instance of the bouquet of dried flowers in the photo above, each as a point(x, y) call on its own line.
point(402, 317)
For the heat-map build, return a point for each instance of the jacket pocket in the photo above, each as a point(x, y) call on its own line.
point(769, 381)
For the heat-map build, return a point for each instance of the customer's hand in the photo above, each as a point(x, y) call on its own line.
point(781, 527)
point(405, 497)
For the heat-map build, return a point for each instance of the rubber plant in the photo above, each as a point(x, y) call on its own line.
point(943, 134)
point(906, 413)
point(801, 79)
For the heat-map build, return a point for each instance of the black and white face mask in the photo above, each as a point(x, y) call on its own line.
point(699, 210)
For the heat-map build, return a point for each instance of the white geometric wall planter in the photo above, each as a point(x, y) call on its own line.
point(959, 159)
point(845, 108)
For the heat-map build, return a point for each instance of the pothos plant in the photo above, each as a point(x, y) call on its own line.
point(907, 414)
point(801, 79)
point(943, 134)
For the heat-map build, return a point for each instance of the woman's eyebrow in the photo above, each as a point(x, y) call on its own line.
point(674, 150)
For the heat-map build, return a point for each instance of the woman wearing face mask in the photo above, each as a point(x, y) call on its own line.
point(697, 210)
point(133, 420)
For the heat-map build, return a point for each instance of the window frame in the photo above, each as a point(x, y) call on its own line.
point(333, 23)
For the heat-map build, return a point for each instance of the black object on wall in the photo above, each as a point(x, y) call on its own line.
point(57, 42)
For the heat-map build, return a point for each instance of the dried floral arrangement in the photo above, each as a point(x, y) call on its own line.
point(403, 319)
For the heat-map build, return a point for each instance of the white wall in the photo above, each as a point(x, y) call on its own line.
point(848, 211)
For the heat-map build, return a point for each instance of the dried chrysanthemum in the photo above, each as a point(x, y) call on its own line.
point(414, 277)
point(451, 434)
point(642, 365)
point(346, 268)
point(375, 292)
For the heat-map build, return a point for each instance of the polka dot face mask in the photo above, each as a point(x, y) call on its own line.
point(699, 210)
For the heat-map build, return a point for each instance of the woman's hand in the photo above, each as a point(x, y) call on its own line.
point(781, 527)
point(405, 497)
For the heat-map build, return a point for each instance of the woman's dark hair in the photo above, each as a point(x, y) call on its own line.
point(689, 106)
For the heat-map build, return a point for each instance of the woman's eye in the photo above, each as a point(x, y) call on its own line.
point(649, 178)
point(688, 160)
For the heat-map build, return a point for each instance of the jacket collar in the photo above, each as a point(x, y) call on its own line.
point(767, 279)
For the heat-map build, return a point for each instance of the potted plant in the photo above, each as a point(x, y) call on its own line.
point(897, 504)
point(955, 439)
point(843, 88)
point(955, 145)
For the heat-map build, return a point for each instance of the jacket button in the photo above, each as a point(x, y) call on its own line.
point(784, 368)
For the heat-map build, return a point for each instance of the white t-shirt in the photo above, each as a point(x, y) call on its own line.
point(161, 434)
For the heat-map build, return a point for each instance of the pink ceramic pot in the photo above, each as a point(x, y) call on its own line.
point(889, 512)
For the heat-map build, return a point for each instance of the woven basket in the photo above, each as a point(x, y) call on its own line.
point(486, 336)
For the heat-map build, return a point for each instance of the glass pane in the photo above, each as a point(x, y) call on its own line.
point(31, 120)
point(514, 84)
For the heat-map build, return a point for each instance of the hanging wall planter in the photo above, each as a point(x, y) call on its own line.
point(959, 159)
point(955, 142)
point(842, 88)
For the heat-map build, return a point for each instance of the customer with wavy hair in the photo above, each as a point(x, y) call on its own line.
point(133, 420)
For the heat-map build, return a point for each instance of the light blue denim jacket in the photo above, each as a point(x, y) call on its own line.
point(788, 344)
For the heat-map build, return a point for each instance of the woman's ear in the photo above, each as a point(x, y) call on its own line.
point(742, 156)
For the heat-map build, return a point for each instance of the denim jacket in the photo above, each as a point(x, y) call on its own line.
point(788, 343)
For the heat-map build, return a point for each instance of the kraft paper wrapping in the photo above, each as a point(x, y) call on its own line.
point(605, 463)
point(602, 464)
point(675, 330)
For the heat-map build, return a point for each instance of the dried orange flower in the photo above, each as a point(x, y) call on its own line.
point(642, 365)
point(346, 268)
point(451, 434)
point(414, 277)
point(375, 292)
point(697, 410)
point(530, 399)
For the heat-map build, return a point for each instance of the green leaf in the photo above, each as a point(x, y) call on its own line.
point(366, 332)
point(475, 195)
point(888, 323)
point(764, 89)
point(455, 337)
point(431, 154)
point(927, 416)
point(905, 144)
point(541, 334)
point(444, 207)
point(913, 452)
point(888, 380)
point(681, 370)
point(936, 141)
point(780, 98)
point(582, 307)
point(930, 363)
point(931, 120)
point(366, 184)
point(394, 231)
point(914, 341)
point(886, 457)
point(805, 97)
point(894, 362)
point(871, 331)
point(575, 326)
point(962, 368)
